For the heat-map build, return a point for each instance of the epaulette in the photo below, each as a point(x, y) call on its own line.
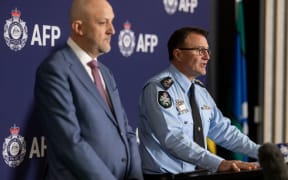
point(197, 81)
point(166, 82)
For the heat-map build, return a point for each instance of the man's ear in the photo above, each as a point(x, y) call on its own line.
point(177, 54)
point(77, 27)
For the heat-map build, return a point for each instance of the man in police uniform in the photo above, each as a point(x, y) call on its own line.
point(167, 144)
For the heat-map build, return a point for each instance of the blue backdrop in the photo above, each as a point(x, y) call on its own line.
point(30, 30)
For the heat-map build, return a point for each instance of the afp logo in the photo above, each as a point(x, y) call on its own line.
point(14, 148)
point(15, 31)
point(186, 6)
point(127, 41)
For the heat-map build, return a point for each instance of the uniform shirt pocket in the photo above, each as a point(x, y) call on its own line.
point(187, 123)
point(206, 116)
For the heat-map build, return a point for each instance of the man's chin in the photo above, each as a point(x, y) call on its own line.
point(203, 73)
point(107, 50)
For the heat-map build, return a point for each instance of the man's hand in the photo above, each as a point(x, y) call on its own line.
point(235, 165)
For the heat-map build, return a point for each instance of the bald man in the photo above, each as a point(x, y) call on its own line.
point(88, 136)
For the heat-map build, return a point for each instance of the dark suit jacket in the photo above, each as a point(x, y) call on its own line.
point(85, 140)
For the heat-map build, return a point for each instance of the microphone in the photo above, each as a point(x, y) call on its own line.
point(272, 162)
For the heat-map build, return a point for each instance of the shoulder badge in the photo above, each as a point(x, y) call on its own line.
point(14, 148)
point(164, 99)
point(197, 81)
point(166, 82)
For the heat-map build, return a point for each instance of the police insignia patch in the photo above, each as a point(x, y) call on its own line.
point(164, 99)
point(166, 82)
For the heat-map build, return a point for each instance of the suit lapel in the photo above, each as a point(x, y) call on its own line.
point(110, 87)
point(81, 74)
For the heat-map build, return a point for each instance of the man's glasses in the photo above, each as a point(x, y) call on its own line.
point(201, 51)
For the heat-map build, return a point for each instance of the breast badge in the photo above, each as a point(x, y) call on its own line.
point(181, 107)
point(205, 107)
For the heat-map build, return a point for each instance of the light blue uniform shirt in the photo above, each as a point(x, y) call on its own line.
point(166, 127)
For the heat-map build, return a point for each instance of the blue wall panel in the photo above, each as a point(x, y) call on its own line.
point(39, 27)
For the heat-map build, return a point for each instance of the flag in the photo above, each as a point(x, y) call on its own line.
point(240, 100)
point(211, 146)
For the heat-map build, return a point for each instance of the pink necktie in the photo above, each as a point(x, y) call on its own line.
point(97, 79)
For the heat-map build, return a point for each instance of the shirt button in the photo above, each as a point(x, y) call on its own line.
point(123, 159)
point(199, 129)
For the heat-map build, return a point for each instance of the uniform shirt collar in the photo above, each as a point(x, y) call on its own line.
point(180, 78)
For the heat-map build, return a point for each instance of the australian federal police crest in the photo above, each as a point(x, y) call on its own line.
point(14, 148)
point(15, 31)
point(126, 40)
point(170, 6)
point(185, 6)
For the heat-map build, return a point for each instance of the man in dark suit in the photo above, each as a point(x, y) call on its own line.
point(88, 136)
